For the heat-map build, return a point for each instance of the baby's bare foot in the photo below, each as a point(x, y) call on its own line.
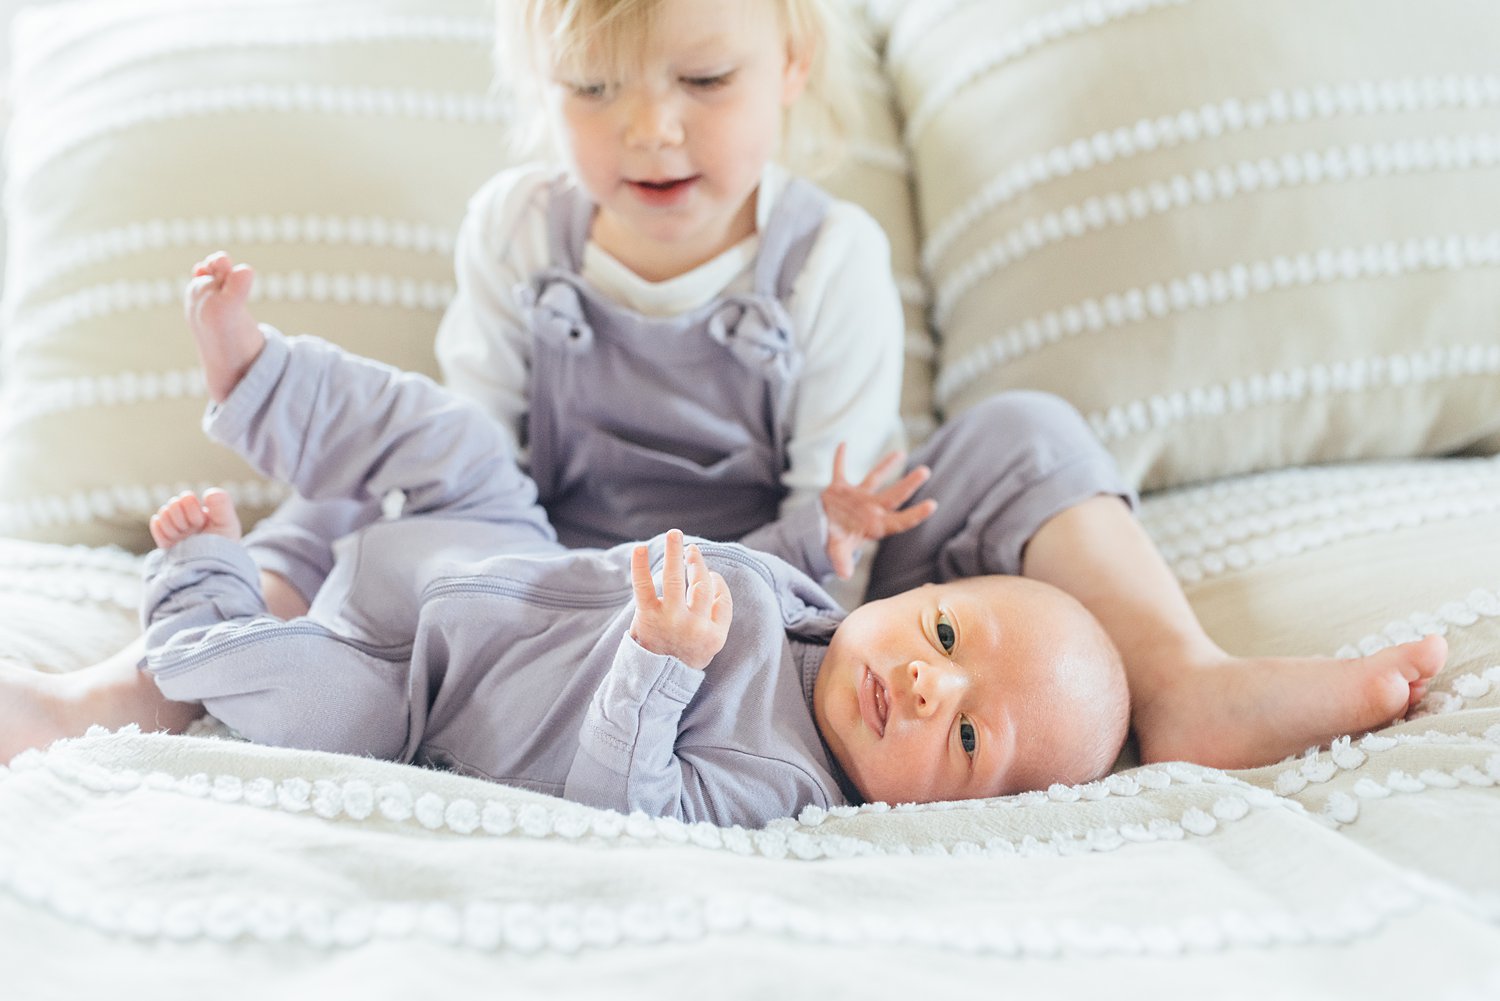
point(228, 338)
point(1248, 712)
point(186, 515)
point(38, 708)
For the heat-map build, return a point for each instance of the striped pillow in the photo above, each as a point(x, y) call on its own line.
point(1237, 236)
point(332, 143)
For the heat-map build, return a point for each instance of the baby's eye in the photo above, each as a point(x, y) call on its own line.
point(968, 736)
point(946, 636)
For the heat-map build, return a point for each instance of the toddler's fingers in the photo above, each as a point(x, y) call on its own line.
point(640, 578)
point(838, 464)
point(883, 469)
point(909, 517)
point(843, 563)
point(901, 491)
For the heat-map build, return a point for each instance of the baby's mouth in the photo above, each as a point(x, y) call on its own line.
point(874, 702)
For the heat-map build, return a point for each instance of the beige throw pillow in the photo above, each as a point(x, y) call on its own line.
point(1236, 235)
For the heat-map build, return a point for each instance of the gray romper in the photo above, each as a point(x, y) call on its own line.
point(464, 635)
point(639, 424)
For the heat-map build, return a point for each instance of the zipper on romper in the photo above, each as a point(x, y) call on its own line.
point(214, 648)
point(531, 594)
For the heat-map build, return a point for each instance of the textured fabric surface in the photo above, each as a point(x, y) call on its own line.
point(1238, 236)
point(168, 860)
point(331, 143)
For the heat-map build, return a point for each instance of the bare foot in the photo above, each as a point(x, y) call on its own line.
point(185, 515)
point(1248, 712)
point(228, 338)
point(37, 708)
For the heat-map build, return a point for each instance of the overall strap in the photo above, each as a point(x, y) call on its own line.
point(790, 233)
point(570, 215)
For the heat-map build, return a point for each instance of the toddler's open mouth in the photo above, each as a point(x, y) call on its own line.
point(663, 191)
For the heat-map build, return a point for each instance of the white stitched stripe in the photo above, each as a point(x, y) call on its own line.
point(295, 286)
point(1360, 375)
point(139, 500)
point(373, 28)
point(1279, 107)
point(108, 245)
point(51, 139)
point(28, 400)
point(1221, 285)
point(1340, 164)
point(1044, 29)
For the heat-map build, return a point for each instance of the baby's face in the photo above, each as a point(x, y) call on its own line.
point(975, 688)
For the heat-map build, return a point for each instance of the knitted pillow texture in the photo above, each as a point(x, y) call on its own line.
point(1238, 236)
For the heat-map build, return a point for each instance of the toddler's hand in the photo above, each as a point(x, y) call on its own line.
point(860, 513)
point(689, 620)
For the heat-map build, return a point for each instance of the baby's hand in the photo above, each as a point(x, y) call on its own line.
point(859, 513)
point(689, 620)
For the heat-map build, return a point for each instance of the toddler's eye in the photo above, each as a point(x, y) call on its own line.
point(587, 91)
point(707, 82)
point(968, 736)
point(946, 636)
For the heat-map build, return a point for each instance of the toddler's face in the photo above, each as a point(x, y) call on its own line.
point(671, 141)
point(976, 688)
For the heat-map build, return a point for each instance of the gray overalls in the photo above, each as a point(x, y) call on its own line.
point(638, 424)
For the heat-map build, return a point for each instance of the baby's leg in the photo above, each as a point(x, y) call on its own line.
point(185, 515)
point(1191, 700)
point(227, 336)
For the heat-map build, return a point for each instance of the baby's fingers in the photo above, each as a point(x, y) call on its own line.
point(723, 605)
point(699, 580)
point(640, 578)
point(673, 582)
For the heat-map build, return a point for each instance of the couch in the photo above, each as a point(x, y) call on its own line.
point(1255, 243)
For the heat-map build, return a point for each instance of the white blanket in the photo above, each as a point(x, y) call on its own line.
point(145, 865)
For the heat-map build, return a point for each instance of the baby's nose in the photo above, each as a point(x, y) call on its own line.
point(932, 685)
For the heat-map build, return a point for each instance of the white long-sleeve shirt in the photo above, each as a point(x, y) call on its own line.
point(845, 309)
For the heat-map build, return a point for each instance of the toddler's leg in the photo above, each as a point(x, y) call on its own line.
point(227, 336)
point(1191, 700)
point(38, 708)
point(1025, 487)
point(998, 473)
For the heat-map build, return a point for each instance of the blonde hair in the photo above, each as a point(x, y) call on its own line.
point(819, 124)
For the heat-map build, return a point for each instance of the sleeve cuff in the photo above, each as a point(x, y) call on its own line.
point(230, 420)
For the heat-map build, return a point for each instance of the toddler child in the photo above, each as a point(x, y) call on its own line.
point(674, 330)
point(464, 635)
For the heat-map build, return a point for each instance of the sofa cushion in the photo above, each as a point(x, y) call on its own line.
point(1237, 236)
point(331, 143)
